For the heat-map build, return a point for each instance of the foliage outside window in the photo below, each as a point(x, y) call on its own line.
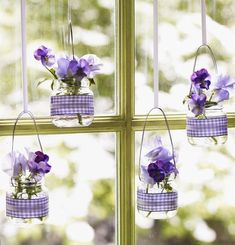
point(206, 197)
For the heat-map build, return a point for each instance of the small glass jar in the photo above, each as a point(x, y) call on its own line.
point(72, 104)
point(155, 203)
point(208, 129)
point(27, 201)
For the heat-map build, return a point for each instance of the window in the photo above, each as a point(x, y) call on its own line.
point(94, 169)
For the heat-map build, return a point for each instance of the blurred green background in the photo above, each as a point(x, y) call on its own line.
point(47, 24)
point(206, 213)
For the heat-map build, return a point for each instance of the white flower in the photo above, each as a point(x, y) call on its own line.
point(15, 163)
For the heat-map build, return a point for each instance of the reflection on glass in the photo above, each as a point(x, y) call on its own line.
point(93, 31)
point(179, 38)
point(206, 196)
point(81, 188)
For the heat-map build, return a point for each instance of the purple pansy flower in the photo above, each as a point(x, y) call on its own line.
point(160, 165)
point(38, 163)
point(15, 164)
point(63, 64)
point(167, 166)
point(69, 68)
point(72, 68)
point(156, 173)
point(199, 79)
point(197, 104)
point(41, 157)
point(159, 152)
point(94, 65)
point(45, 55)
point(145, 175)
point(222, 88)
point(82, 69)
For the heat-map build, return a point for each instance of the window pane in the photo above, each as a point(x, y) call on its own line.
point(179, 38)
point(93, 32)
point(81, 187)
point(206, 196)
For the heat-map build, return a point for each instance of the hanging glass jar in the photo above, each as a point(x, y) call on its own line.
point(209, 129)
point(156, 194)
point(72, 104)
point(156, 203)
point(27, 200)
point(206, 123)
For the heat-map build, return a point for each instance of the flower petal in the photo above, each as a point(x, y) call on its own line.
point(221, 95)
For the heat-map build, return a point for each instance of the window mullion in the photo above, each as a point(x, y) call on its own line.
point(125, 74)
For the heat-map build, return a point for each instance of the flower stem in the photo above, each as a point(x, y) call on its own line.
point(212, 137)
point(147, 191)
point(52, 71)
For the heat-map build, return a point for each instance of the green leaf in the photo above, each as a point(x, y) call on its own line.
point(52, 84)
point(91, 80)
point(53, 72)
point(186, 99)
point(41, 81)
point(210, 103)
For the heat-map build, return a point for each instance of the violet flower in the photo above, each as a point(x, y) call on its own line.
point(197, 104)
point(156, 173)
point(167, 166)
point(94, 65)
point(222, 88)
point(45, 55)
point(38, 163)
point(41, 157)
point(63, 64)
point(72, 68)
point(69, 69)
point(145, 176)
point(200, 79)
point(82, 69)
point(160, 165)
point(159, 152)
point(16, 164)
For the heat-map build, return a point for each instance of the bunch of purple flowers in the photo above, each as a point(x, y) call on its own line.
point(160, 168)
point(26, 172)
point(70, 70)
point(201, 97)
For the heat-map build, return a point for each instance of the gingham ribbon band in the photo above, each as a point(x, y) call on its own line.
point(157, 202)
point(208, 127)
point(27, 208)
point(72, 105)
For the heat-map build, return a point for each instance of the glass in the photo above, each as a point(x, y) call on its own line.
point(209, 129)
point(179, 38)
point(27, 201)
point(205, 212)
point(81, 188)
point(153, 202)
point(93, 33)
point(78, 110)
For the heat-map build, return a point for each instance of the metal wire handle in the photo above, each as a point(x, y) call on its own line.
point(142, 138)
point(210, 53)
point(35, 126)
point(212, 57)
point(70, 37)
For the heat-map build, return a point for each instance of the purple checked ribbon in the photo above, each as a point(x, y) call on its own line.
point(208, 127)
point(157, 202)
point(27, 208)
point(72, 105)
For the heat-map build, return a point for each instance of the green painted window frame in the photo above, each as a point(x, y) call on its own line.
point(124, 125)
